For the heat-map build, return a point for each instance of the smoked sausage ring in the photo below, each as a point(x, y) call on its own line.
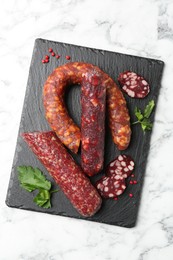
point(57, 114)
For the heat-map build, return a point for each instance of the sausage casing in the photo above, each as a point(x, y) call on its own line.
point(57, 114)
point(67, 174)
point(93, 102)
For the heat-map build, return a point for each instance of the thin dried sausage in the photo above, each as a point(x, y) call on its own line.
point(67, 174)
point(93, 99)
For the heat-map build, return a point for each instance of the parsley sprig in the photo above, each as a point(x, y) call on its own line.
point(143, 118)
point(33, 179)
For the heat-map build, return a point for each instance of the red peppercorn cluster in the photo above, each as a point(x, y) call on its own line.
point(53, 54)
point(132, 182)
point(46, 59)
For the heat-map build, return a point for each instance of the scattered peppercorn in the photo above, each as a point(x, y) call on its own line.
point(130, 195)
point(67, 57)
point(46, 57)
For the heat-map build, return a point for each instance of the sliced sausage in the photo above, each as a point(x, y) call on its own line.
point(93, 98)
point(113, 184)
point(134, 85)
point(110, 187)
point(67, 174)
point(122, 165)
point(57, 115)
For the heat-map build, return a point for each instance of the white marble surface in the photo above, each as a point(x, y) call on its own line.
point(139, 27)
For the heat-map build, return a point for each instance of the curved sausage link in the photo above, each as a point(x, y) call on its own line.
point(57, 115)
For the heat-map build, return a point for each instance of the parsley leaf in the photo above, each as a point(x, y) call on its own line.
point(146, 124)
point(33, 179)
point(149, 108)
point(43, 199)
point(138, 114)
point(143, 118)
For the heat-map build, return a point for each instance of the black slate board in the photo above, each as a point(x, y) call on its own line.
point(124, 211)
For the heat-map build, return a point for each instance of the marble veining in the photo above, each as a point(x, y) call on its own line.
point(137, 27)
